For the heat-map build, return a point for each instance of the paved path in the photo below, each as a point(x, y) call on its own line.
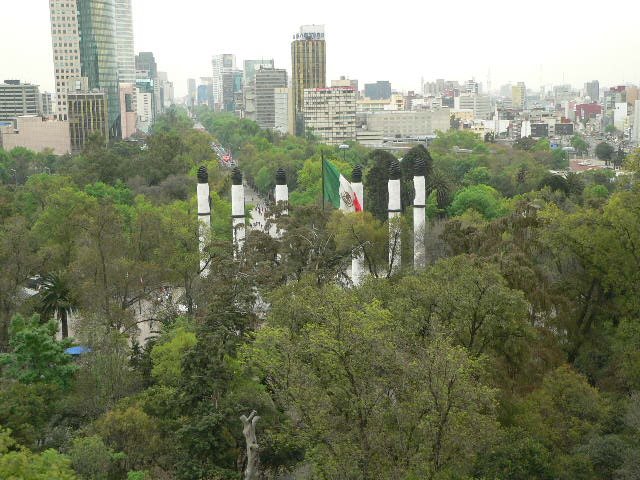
point(257, 219)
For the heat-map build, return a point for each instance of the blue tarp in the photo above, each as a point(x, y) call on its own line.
point(77, 350)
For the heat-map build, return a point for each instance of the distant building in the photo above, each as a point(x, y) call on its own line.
point(252, 66)
point(592, 90)
point(192, 92)
point(284, 119)
point(266, 81)
point(409, 123)
point(145, 104)
point(479, 104)
point(587, 111)
point(620, 116)
point(518, 96)
point(128, 114)
point(65, 36)
point(98, 53)
point(37, 134)
point(308, 62)
point(564, 129)
point(231, 90)
point(346, 82)
point(124, 42)
point(88, 113)
point(378, 91)
point(330, 114)
point(47, 104)
point(18, 99)
point(203, 95)
point(221, 64)
point(635, 133)
point(539, 130)
point(146, 62)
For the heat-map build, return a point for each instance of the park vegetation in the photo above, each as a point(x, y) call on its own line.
point(512, 356)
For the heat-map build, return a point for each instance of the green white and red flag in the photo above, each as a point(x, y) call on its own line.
point(338, 190)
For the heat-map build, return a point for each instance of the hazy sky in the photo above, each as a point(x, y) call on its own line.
point(400, 41)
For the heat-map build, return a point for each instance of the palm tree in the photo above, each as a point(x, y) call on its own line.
point(56, 300)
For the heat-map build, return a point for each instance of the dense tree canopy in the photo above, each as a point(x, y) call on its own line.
point(512, 355)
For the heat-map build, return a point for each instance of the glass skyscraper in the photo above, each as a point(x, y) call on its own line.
point(124, 42)
point(98, 53)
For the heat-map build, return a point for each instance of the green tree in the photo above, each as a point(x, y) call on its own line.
point(21, 463)
point(482, 198)
point(369, 401)
point(57, 300)
point(36, 355)
point(579, 143)
point(604, 151)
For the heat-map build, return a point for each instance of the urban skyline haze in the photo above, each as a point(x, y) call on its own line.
point(557, 42)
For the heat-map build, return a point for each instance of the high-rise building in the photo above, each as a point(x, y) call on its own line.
point(65, 36)
point(252, 66)
point(145, 104)
point(308, 62)
point(17, 99)
point(231, 90)
point(330, 114)
point(284, 118)
point(378, 91)
point(221, 64)
point(635, 133)
point(192, 92)
point(98, 53)
point(146, 62)
point(592, 90)
point(518, 96)
point(266, 81)
point(88, 113)
point(124, 42)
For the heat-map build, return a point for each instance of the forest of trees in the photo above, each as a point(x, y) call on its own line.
point(514, 355)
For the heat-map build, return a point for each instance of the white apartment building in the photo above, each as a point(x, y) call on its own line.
point(330, 114)
point(222, 63)
point(284, 112)
point(144, 110)
point(409, 123)
point(66, 50)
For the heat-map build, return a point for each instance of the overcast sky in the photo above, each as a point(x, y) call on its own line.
point(546, 41)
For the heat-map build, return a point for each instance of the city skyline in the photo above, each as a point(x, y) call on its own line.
point(458, 46)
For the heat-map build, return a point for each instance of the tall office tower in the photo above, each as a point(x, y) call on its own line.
point(145, 61)
point(592, 90)
point(252, 66)
point(17, 99)
point(124, 42)
point(65, 37)
point(518, 95)
point(147, 70)
point(308, 63)
point(166, 90)
point(98, 53)
point(330, 114)
point(267, 80)
point(192, 92)
point(381, 90)
point(231, 90)
point(221, 64)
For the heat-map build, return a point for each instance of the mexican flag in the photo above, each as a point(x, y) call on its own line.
point(338, 190)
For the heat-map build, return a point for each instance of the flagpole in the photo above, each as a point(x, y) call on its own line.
point(322, 173)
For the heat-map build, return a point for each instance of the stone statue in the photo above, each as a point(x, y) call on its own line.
point(249, 431)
